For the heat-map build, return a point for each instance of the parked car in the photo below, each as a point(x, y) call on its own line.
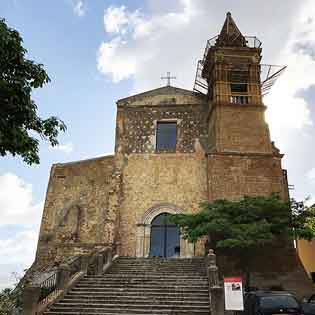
point(308, 305)
point(271, 303)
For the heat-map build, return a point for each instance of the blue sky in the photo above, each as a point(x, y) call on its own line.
point(97, 51)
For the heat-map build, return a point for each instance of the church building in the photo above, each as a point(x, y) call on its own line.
point(174, 149)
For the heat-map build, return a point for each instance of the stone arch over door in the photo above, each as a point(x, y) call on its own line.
point(144, 231)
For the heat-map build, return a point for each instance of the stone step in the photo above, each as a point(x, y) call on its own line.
point(162, 265)
point(141, 286)
point(132, 286)
point(134, 312)
point(142, 276)
point(157, 272)
point(141, 290)
point(153, 283)
point(157, 269)
point(125, 307)
point(191, 299)
point(136, 301)
point(147, 273)
point(188, 265)
point(166, 260)
point(150, 294)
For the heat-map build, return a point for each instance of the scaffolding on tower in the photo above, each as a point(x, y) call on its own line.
point(268, 73)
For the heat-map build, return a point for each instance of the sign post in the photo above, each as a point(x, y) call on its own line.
point(233, 293)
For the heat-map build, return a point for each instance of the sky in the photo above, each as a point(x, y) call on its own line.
point(98, 51)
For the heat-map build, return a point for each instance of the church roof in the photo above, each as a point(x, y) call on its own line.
point(167, 91)
point(230, 34)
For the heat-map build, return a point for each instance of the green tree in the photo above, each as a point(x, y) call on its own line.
point(10, 301)
point(11, 298)
point(248, 224)
point(19, 121)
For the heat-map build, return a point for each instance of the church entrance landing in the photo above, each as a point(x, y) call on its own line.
point(165, 237)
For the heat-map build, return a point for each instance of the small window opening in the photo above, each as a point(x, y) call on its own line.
point(239, 78)
point(166, 136)
point(238, 88)
point(239, 75)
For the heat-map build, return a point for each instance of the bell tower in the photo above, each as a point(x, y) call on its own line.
point(231, 68)
point(242, 160)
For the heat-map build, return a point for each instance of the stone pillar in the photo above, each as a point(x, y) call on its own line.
point(109, 256)
point(147, 240)
point(140, 240)
point(63, 276)
point(213, 270)
point(99, 264)
point(84, 263)
point(30, 300)
point(215, 290)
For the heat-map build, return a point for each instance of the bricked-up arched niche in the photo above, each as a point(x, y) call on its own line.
point(144, 230)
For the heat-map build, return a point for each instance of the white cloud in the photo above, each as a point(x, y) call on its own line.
point(171, 36)
point(79, 8)
point(120, 66)
point(139, 42)
point(115, 18)
point(19, 225)
point(16, 202)
point(311, 174)
point(16, 254)
point(65, 148)
point(287, 109)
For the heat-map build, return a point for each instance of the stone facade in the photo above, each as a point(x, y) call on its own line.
point(223, 150)
point(76, 209)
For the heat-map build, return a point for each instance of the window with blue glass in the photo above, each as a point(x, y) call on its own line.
point(166, 136)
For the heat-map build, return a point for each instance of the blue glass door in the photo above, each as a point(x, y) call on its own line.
point(165, 237)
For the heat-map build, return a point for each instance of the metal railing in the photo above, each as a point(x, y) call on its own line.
point(251, 42)
point(47, 287)
point(37, 297)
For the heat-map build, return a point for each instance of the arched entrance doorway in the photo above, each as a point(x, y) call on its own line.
point(165, 237)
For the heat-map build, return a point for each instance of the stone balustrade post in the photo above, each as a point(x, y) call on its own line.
point(99, 264)
point(30, 300)
point(215, 290)
point(109, 256)
point(213, 270)
point(84, 263)
point(63, 276)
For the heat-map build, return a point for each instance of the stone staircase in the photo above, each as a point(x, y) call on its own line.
point(141, 286)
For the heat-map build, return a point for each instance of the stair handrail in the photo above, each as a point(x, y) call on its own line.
point(37, 297)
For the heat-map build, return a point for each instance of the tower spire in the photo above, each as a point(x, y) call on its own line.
point(230, 34)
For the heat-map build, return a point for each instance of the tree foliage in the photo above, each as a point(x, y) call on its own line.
point(10, 301)
point(19, 121)
point(249, 222)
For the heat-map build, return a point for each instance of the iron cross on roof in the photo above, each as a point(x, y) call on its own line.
point(168, 78)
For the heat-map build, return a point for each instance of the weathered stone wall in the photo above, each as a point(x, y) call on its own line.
point(152, 179)
point(239, 128)
point(163, 96)
point(138, 116)
point(232, 176)
point(140, 127)
point(76, 208)
point(272, 265)
point(306, 251)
